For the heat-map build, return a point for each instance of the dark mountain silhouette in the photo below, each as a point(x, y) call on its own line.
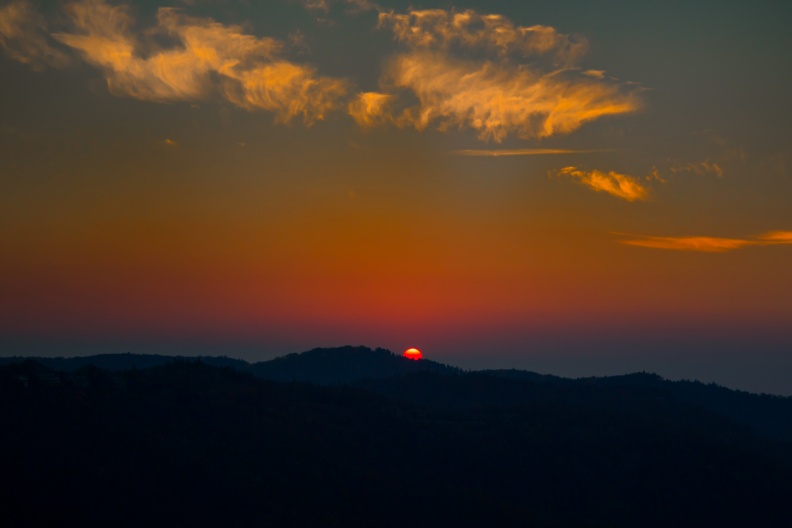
point(120, 362)
point(188, 444)
point(766, 415)
point(332, 366)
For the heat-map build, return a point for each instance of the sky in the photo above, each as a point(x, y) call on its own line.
point(576, 188)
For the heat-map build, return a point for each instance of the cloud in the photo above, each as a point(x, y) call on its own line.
point(362, 5)
point(693, 243)
point(371, 109)
point(497, 99)
point(440, 29)
point(597, 74)
point(619, 185)
point(709, 244)
point(208, 58)
point(288, 89)
point(299, 42)
point(23, 37)
point(316, 5)
point(700, 168)
point(323, 6)
point(525, 88)
point(518, 152)
point(777, 237)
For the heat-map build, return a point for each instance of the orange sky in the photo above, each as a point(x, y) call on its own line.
point(489, 182)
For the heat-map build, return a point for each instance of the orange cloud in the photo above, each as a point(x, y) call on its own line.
point(597, 74)
point(700, 168)
point(323, 6)
point(183, 58)
point(361, 5)
point(613, 183)
point(370, 109)
point(710, 244)
point(703, 244)
point(496, 97)
point(316, 5)
point(439, 29)
point(777, 237)
point(518, 152)
point(287, 89)
point(209, 58)
point(23, 36)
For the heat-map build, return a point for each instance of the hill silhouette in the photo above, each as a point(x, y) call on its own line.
point(189, 444)
point(331, 366)
point(379, 370)
point(120, 362)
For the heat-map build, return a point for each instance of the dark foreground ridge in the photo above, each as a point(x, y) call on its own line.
point(167, 442)
point(381, 370)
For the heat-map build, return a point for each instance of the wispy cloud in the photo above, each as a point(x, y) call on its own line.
point(23, 36)
point(619, 185)
point(702, 167)
point(708, 244)
point(776, 237)
point(525, 88)
point(465, 69)
point(692, 243)
point(209, 58)
point(362, 5)
point(371, 109)
point(316, 5)
point(597, 74)
point(323, 6)
point(497, 99)
point(434, 29)
point(496, 153)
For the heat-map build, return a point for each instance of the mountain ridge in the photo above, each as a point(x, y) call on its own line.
point(186, 443)
point(380, 370)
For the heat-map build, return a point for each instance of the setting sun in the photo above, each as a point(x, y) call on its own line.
point(413, 353)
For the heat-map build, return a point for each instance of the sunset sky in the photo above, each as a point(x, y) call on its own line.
point(578, 188)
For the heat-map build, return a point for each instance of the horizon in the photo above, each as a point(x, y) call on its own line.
point(576, 188)
point(465, 369)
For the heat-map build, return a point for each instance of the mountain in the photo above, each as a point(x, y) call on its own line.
point(189, 444)
point(765, 414)
point(120, 362)
point(381, 371)
point(333, 366)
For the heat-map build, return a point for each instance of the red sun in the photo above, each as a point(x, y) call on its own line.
point(413, 353)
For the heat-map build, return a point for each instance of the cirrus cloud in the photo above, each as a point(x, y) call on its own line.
point(707, 244)
point(497, 100)
point(23, 37)
point(500, 96)
point(619, 185)
point(209, 58)
point(370, 109)
point(457, 70)
point(441, 29)
point(492, 153)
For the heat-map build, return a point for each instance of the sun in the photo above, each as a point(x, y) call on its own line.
point(413, 353)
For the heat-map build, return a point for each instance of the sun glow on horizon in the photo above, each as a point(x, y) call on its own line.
point(413, 353)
